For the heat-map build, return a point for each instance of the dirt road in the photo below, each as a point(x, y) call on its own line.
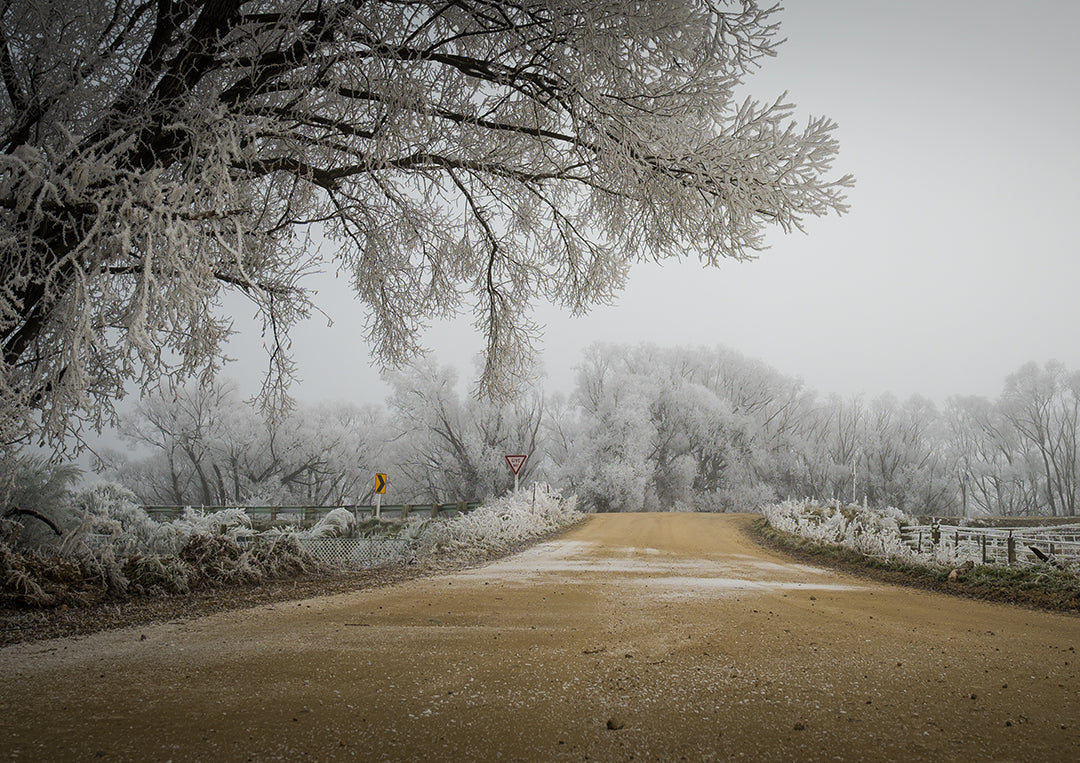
point(674, 630)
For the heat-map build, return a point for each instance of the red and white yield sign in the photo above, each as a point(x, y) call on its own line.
point(515, 463)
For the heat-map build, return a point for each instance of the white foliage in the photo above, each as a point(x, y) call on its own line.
point(501, 523)
point(338, 523)
point(450, 448)
point(209, 447)
point(668, 428)
point(111, 509)
point(114, 510)
point(482, 152)
point(232, 523)
point(867, 531)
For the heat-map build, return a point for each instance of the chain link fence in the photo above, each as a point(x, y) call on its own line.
point(360, 552)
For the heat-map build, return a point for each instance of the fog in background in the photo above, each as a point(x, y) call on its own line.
point(955, 264)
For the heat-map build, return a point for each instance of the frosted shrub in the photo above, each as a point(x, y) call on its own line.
point(111, 509)
point(118, 550)
point(866, 531)
point(34, 500)
point(338, 523)
point(415, 528)
point(231, 523)
point(501, 523)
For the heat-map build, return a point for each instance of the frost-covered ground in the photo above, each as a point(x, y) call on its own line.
point(652, 572)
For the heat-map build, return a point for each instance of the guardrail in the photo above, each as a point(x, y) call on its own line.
point(314, 513)
point(996, 545)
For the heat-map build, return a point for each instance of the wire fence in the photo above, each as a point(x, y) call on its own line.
point(360, 552)
point(997, 545)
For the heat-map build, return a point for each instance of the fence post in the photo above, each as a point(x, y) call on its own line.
point(405, 511)
point(956, 541)
point(1012, 548)
point(434, 510)
point(984, 549)
point(918, 544)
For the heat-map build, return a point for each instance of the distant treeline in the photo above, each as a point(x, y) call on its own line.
point(645, 428)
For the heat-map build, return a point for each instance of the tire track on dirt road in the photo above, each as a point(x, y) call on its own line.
point(632, 637)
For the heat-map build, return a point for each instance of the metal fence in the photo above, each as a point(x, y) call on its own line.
point(360, 552)
point(996, 545)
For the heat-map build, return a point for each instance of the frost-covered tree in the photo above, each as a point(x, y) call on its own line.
point(665, 428)
point(34, 497)
point(613, 467)
point(483, 152)
point(901, 460)
point(453, 448)
point(208, 447)
point(991, 468)
point(1042, 405)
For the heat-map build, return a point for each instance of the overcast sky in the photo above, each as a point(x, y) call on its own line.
point(955, 265)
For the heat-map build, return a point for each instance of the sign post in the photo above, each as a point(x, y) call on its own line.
point(380, 489)
point(515, 463)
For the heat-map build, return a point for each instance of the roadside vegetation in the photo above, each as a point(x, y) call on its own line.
point(101, 548)
point(868, 542)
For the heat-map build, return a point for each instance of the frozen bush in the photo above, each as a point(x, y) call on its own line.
point(108, 508)
point(34, 501)
point(866, 531)
point(118, 550)
point(338, 523)
point(501, 523)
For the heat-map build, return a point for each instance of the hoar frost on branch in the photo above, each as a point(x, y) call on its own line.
point(154, 153)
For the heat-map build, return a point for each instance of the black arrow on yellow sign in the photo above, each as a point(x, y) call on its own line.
point(380, 484)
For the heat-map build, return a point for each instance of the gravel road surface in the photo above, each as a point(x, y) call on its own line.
point(632, 637)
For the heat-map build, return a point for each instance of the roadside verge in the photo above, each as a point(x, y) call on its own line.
point(1031, 587)
point(20, 625)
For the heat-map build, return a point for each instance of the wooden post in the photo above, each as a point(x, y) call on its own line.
point(434, 510)
point(405, 511)
point(1012, 548)
point(918, 544)
point(984, 549)
point(956, 540)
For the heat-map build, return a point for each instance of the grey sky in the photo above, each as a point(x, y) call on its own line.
point(955, 265)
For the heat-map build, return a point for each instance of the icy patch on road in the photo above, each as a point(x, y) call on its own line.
point(681, 587)
point(580, 562)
